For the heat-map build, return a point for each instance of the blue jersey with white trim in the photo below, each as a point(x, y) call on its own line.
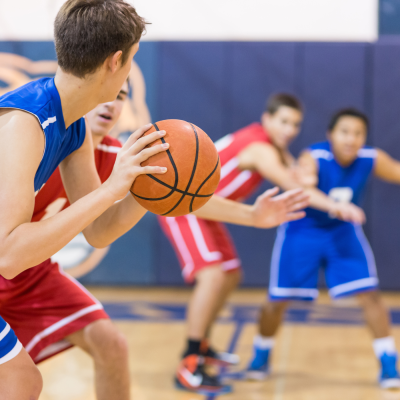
point(41, 99)
point(345, 184)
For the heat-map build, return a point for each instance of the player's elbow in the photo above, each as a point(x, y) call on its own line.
point(10, 266)
point(96, 241)
point(6, 269)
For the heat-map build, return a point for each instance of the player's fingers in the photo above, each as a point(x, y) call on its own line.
point(295, 216)
point(152, 170)
point(269, 193)
point(151, 151)
point(300, 205)
point(136, 135)
point(297, 198)
point(141, 143)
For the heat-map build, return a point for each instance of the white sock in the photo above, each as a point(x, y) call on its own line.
point(384, 345)
point(263, 342)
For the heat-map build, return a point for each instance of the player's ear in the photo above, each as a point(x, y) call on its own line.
point(265, 117)
point(114, 61)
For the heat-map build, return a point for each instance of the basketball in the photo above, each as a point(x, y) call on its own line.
point(192, 176)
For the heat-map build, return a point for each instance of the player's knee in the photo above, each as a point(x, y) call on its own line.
point(35, 381)
point(369, 298)
point(275, 306)
point(107, 343)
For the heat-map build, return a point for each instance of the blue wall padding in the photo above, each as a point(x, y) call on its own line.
point(222, 86)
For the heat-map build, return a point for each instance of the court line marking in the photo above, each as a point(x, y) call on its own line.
point(283, 362)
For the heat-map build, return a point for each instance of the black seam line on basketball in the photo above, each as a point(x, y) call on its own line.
point(193, 172)
point(178, 190)
point(175, 171)
point(199, 188)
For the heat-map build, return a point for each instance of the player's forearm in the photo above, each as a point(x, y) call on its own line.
point(224, 210)
point(319, 200)
point(115, 222)
point(31, 243)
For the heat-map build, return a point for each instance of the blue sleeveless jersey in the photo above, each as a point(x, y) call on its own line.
point(340, 183)
point(41, 99)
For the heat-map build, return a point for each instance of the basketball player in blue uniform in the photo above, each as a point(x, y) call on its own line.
point(339, 167)
point(41, 127)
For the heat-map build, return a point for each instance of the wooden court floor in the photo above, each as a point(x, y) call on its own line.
point(323, 351)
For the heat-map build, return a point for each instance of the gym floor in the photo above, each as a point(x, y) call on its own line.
point(323, 351)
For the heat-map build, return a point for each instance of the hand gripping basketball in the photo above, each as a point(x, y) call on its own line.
point(193, 170)
point(128, 166)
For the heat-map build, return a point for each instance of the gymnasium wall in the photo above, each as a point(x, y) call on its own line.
point(221, 85)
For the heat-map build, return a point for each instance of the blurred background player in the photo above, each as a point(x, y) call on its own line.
point(339, 167)
point(204, 248)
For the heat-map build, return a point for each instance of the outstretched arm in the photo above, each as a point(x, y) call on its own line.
point(386, 167)
point(267, 211)
point(307, 175)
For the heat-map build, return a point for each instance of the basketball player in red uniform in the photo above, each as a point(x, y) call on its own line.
point(204, 248)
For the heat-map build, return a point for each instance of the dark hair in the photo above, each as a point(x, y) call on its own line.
point(347, 112)
point(88, 31)
point(279, 100)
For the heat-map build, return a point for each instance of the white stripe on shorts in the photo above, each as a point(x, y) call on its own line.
point(60, 324)
point(4, 332)
point(293, 292)
point(231, 264)
point(354, 285)
point(181, 245)
point(201, 241)
point(12, 354)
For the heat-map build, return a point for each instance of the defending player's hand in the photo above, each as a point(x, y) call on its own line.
point(128, 163)
point(348, 212)
point(270, 210)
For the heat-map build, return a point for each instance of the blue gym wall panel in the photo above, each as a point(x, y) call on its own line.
point(192, 78)
point(148, 59)
point(385, 218)
point(334, 76)
point(256, 70)
point(131, 259)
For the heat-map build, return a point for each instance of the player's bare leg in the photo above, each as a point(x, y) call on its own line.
point(376, 314)
point(226, 283)
point(271, 315)
point(213, 286)
point(232, 280)
point(109, 350)
point(20, 379)
point(377, 318)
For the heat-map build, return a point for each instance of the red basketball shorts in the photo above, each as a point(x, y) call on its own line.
point(199, 244)
point(43, 305)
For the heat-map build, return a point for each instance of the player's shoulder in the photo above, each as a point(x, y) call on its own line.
point(368, 152)
point(109, 144)
point(31, 97)
point(320, 151)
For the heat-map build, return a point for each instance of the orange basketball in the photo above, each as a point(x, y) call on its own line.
point(193, 171)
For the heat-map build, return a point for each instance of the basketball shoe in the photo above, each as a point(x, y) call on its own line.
point(192, 377)
point(389, 377)
point(221, 359)
point(258, 368)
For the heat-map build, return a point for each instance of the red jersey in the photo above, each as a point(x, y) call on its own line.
point(52, 197)
point(236, 184)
